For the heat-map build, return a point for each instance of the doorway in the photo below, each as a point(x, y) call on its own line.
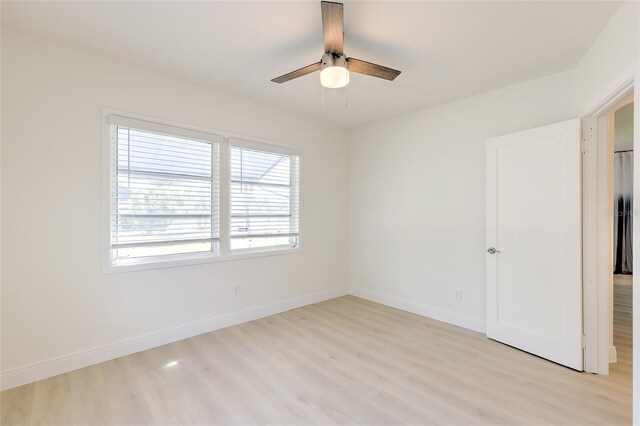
point(600, 215)
point(621, 350)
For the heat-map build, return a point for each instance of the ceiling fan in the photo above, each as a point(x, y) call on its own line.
point(335, 66)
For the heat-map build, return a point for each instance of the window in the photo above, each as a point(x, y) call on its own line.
point(178, 196)
point(164, 194)
point(264, 198)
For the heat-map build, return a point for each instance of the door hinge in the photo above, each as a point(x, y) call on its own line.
point(584, 341)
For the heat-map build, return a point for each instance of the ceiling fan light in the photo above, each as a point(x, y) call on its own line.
point(334, 77)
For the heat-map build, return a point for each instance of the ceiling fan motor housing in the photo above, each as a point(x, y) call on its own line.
point(333, 60)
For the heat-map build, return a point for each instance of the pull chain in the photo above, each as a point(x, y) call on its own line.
point(346, 105)
point(322, 89)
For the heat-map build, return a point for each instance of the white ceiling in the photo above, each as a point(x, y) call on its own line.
point(445, 50)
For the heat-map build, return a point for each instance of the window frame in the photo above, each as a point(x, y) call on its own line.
point(224, 140)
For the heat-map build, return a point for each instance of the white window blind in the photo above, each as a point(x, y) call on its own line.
point(263, 198)
point(164, 194)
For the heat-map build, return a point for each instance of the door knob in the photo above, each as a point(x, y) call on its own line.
point(492, 250)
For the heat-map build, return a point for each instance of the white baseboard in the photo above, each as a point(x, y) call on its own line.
point(613, 354)
point(73, 361)
point(69, 362)
point(432, 312)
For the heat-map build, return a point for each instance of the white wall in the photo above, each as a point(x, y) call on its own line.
point(415, 209)
point(417, 189)
point(611, 60)
point(417, 193)
point(416, 206)
point(613, 53)
point(623, 124)
point(54, 298)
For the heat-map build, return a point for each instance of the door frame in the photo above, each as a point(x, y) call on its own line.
point(597, 226)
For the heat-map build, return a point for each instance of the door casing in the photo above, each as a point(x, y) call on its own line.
point(597, 219)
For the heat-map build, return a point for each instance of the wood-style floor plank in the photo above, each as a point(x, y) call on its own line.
point(344, 361)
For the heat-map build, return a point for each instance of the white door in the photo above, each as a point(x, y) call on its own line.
point(534, 242)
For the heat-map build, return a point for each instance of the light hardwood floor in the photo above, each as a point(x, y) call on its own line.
point(622, 322)
point(344, 361)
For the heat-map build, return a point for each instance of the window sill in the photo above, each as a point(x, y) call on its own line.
point(243, 254)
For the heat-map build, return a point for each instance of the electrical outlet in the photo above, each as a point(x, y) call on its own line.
point(236, 290)
point(459, 295)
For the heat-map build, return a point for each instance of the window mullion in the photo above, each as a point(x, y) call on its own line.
point(293, 197)
point(225, 183)
point(214, 197)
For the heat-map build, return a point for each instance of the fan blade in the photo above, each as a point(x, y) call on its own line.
point(364, 67)
point(332, 26)
point(298, 73)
